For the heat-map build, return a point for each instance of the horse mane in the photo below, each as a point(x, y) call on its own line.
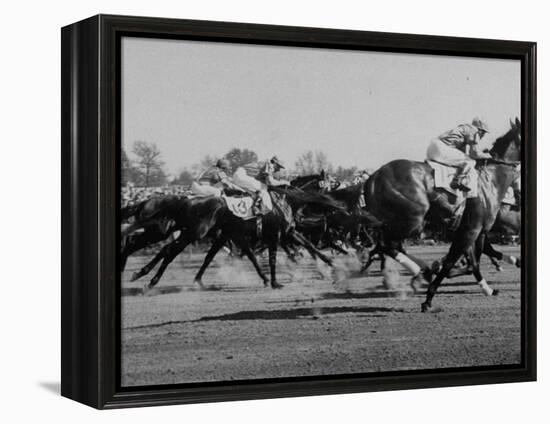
point(306, 179)
point(502, 143)
point(349, 195)
point(302, 198)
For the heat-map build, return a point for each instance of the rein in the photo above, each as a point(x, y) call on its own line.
point(492, 161)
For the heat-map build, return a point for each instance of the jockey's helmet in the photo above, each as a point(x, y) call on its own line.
point(223, 164)
point(275, 161)
point(480, 125)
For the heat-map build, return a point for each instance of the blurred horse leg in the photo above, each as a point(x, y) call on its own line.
point(214, 249)
point(171, 250)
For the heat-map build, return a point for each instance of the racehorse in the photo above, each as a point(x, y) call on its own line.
point(401, 192)
point(215, 218)
point(152, 221)
point(316, 183)
point(346, 226)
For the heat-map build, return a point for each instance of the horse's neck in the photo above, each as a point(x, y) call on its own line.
point(303, 185)
point(494, 182)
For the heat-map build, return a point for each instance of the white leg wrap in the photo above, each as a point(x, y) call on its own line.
point(511, 260)
point(408, 264)
point(485, 287)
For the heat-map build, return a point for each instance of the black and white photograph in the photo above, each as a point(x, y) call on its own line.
point(290, 212)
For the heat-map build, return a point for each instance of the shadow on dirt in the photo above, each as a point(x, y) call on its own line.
point(138, 291)
point(297, 313)
point(363, 295)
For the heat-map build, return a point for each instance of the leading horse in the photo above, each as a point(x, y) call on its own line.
point(401, 193)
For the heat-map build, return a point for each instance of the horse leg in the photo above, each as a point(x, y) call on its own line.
point(272, 247)
point(173, 250)
point(250, 255)
point(289, 254)
point(475, 256)
point(152, 263)
point(214, 249)
point(490, 251)
point(447, 265)
point(372, 253)
point(394, 249)
point(310, 248)
point(135, 242)
point(468, 236)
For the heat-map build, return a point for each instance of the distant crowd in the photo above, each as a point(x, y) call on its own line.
point(132, 194)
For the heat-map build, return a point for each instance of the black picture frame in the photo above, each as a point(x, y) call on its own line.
point(90, 199)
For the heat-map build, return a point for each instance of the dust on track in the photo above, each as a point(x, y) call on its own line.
point(240, 330)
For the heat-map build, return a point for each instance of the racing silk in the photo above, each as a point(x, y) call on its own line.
point(460, 137)
point(212, 176)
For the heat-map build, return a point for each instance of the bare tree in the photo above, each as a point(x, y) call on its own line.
point(149, 164)
point(239, 157)
point(312, 162)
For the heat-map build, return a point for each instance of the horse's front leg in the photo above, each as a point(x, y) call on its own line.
point(447, 265)
point(214, 249)
point(272, 248)
point(250, 255)
point(172, 250)
point(480, 246)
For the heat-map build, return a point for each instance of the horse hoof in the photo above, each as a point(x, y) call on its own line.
point(518, 263)
point(495, 292)
point(199, 283)
point(145, 289)
point(426, 307)
point(499, 268)
point(276, 285)
point(135, 276)
point(266, 283)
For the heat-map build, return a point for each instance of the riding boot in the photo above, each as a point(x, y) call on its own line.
point(257, 204)
point(456, 183)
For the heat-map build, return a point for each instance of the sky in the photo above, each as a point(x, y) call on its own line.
point(362, 109)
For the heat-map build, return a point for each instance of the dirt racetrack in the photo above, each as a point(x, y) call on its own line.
point(241, 330)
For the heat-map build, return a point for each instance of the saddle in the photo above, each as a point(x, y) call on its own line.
point(455, 200)
point(443, 176)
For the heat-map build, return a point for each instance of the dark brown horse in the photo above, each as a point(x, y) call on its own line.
point(150, 221)
point(211, 216)
point(401, 193)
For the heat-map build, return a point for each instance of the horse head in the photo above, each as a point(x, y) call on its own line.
point(508, 147)
point(314, 182)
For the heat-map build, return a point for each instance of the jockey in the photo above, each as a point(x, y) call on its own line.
point(263, 176)
point(459, 148)
point(212, 181)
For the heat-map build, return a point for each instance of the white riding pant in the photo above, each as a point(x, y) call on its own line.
point(252, 185)
point(440, 152)
point(205, 190)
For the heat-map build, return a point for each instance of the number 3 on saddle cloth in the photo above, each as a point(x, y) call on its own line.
point(443, 176)
point(243, 208)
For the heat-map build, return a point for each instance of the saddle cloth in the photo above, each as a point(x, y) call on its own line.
point(241, 207)
point(443, 176)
